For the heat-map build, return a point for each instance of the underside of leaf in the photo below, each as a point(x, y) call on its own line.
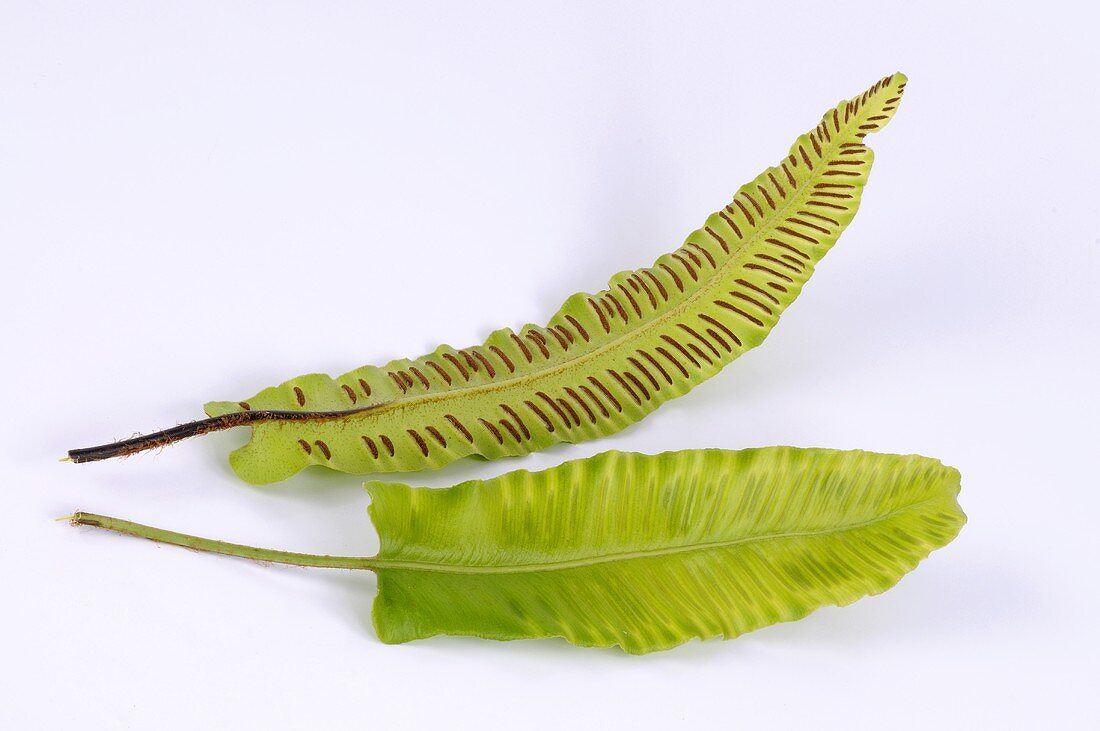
point(605, 360)
point(647, 552)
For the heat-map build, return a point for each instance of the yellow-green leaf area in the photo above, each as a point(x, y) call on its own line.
point(647, 552)
point(604, 360)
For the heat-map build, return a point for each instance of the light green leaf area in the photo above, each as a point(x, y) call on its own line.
point(605, 360)
point(647, 552)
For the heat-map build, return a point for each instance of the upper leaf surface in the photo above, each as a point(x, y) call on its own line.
point(647, 552)
point(605, 360)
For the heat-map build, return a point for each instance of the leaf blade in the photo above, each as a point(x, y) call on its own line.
point(646, 552)
point(605, 360)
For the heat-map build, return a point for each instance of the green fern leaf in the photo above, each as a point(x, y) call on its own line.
point(646, 552)
point(603, 362)
point(643, 552)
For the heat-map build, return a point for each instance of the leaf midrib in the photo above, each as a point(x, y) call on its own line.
point(380, 563)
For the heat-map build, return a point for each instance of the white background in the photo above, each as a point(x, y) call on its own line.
point(200, 199)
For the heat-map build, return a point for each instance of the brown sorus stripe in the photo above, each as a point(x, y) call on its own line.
point(460, 426)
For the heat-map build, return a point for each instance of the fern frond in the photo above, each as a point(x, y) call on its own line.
point(644, 552)
point(603, 362)
point(647, 552)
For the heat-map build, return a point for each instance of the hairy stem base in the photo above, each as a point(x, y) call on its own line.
point(125, 447)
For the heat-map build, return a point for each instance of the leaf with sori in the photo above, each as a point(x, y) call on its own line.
point(603, 362)
point(643, 552)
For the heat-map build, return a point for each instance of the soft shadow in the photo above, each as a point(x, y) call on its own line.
point(553, 648)
point(959, 599)
point(356, 590)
